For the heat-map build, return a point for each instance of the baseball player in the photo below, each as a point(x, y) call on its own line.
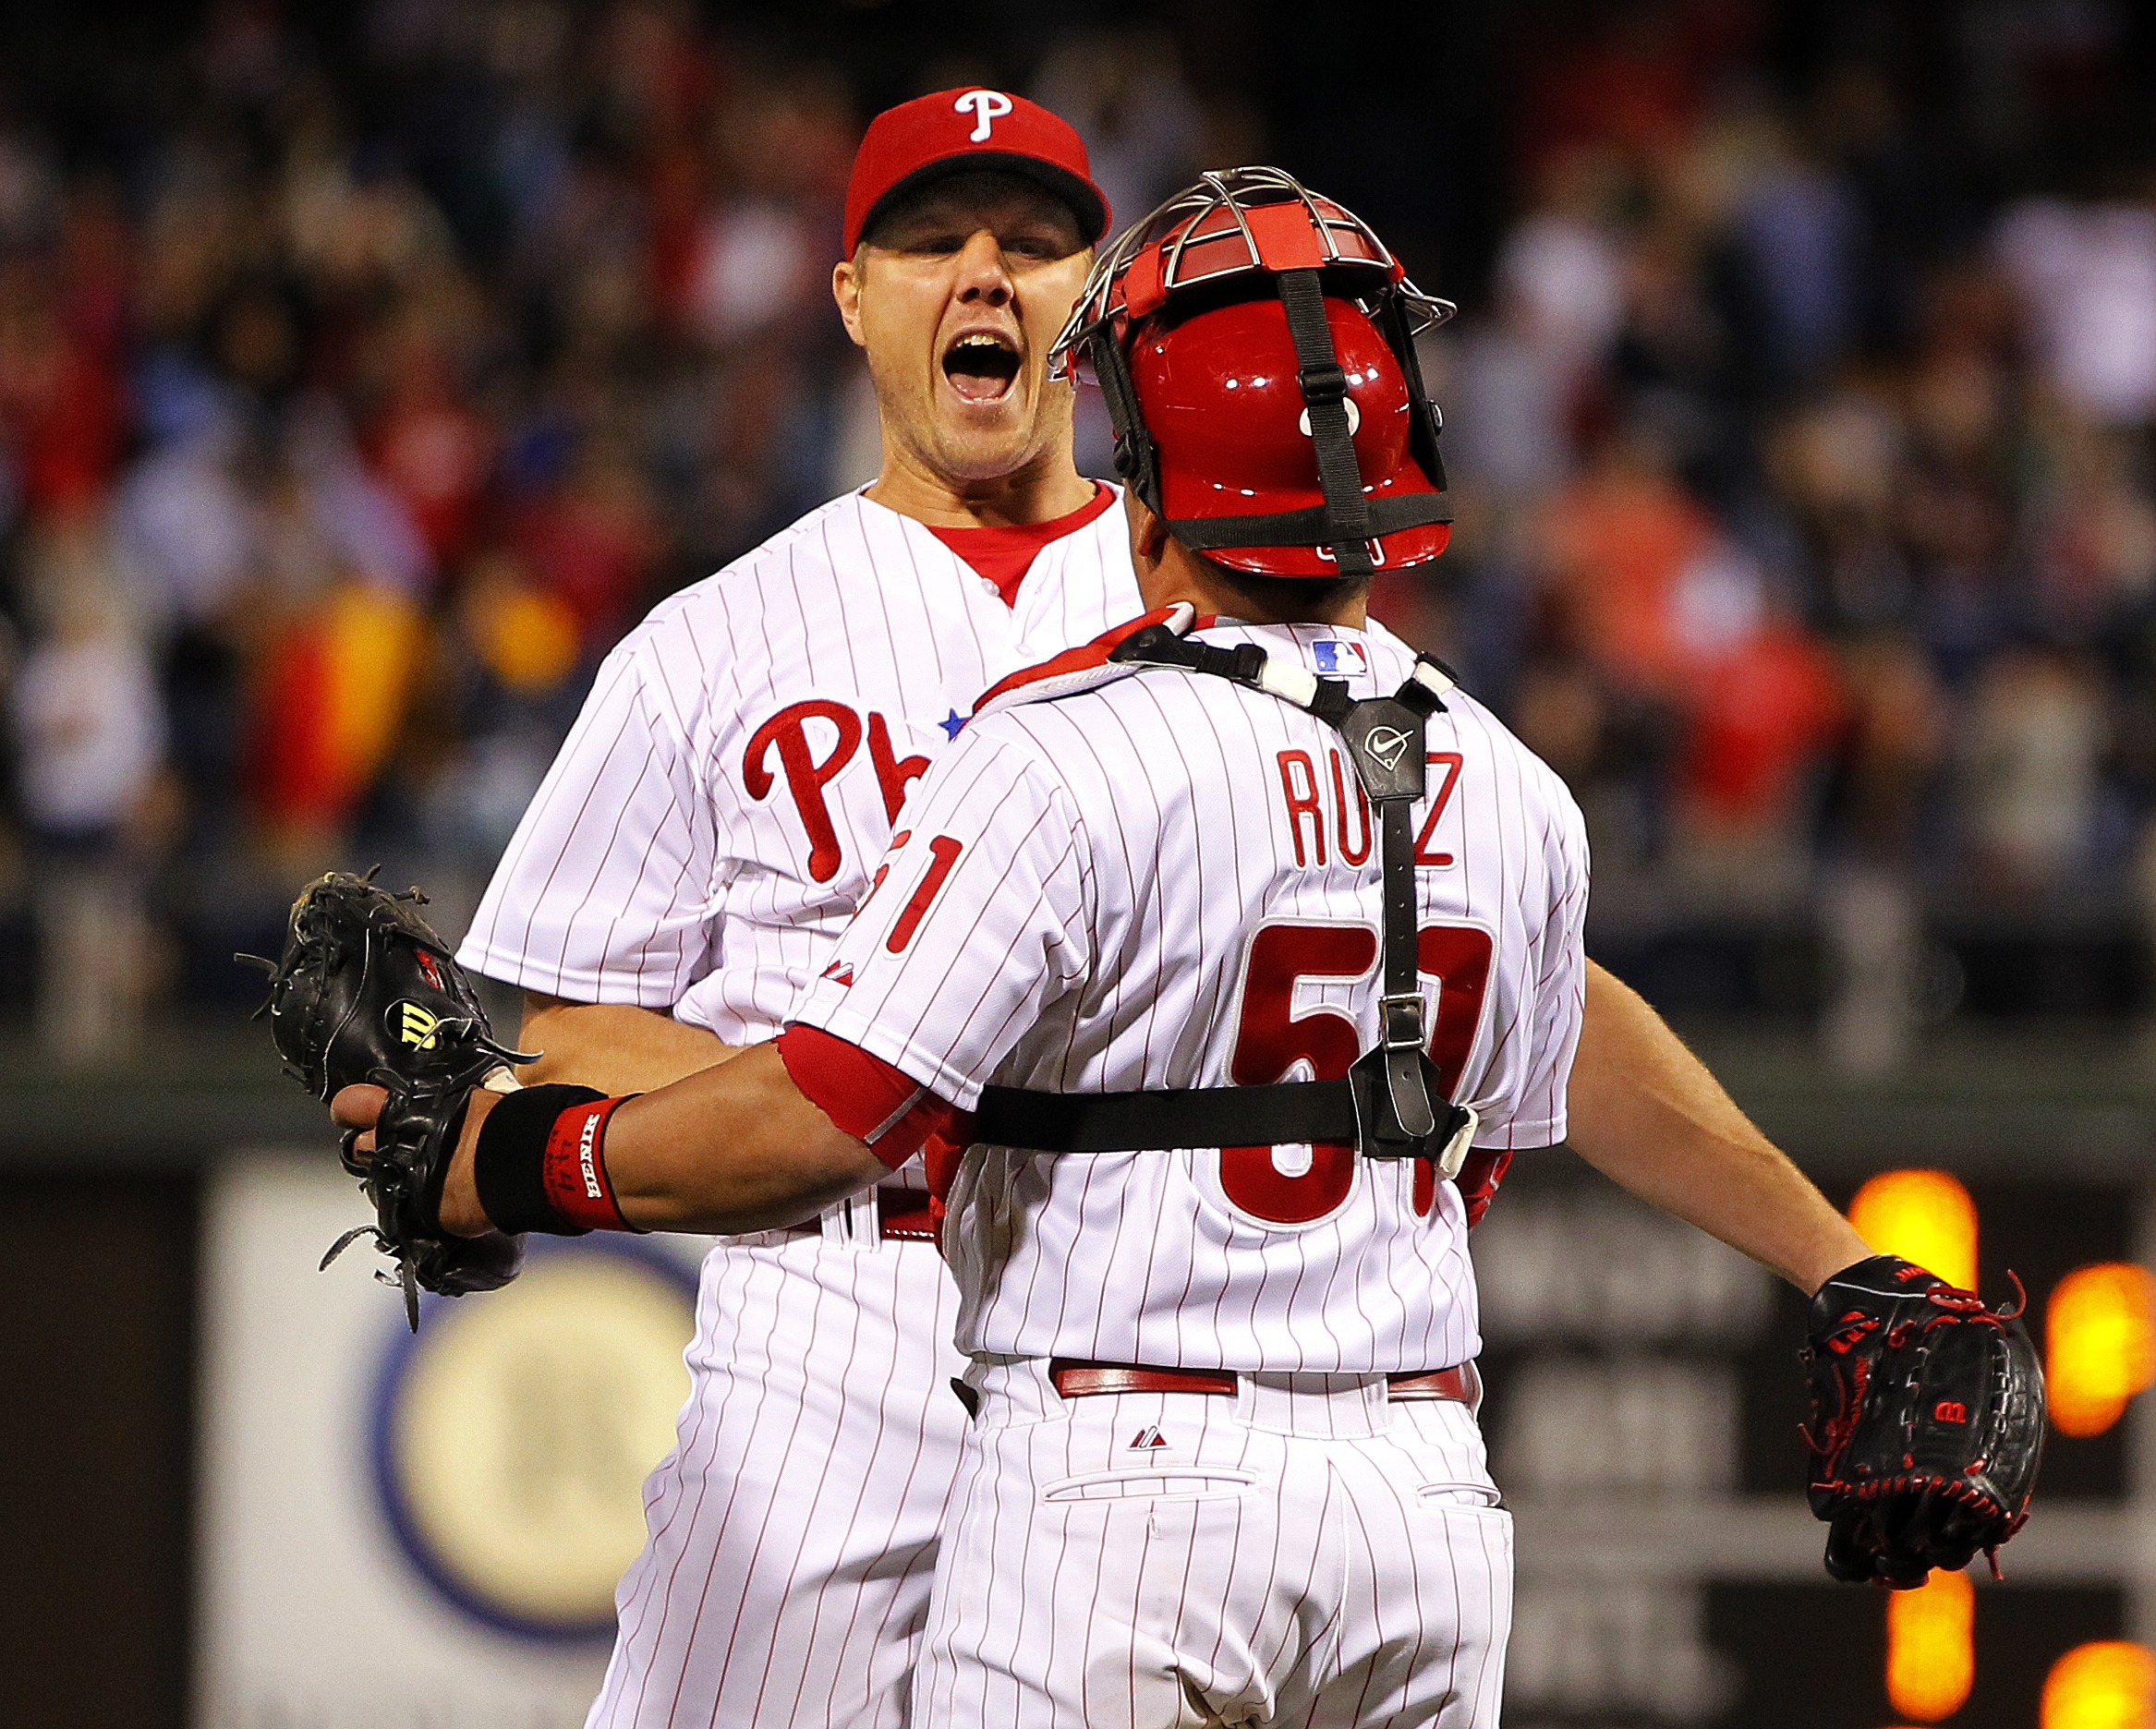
point(680, 880)
point(669, 897)
point(1273, 881)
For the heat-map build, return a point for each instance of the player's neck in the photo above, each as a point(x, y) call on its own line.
point(1041, 490)
point(1178, 575)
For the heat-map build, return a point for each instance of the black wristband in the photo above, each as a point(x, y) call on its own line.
point(509, 1164)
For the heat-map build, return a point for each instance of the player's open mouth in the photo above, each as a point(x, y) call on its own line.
point(981, 365)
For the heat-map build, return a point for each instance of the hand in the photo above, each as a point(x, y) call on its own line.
point(358, 1107)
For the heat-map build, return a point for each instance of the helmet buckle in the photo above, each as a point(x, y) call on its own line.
point(1323, 383)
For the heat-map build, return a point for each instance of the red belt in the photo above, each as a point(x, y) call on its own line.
point(902, 1213)
point(1075, 1379)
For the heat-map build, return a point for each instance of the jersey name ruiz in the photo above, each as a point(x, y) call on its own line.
point(1155, 882)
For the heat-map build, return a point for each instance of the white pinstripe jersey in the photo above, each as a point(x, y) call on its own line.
point(710, 823)
point(1166, 879)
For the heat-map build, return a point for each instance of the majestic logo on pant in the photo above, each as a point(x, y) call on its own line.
point(986, 107)
point(1147, 1438)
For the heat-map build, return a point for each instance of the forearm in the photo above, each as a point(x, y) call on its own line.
point(734, 1148)
point(1647, 1114)
point(613, 1047)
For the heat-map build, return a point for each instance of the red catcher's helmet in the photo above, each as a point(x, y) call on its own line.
point(1256, 343)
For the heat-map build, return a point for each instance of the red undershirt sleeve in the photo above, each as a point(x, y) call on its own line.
point(881, 1106)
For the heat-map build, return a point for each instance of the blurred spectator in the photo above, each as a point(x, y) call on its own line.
point(2031, 754)
point(2087, 277)
point(90, 738)
point(362, 380)
point(1124, 92)
point(1800, 226)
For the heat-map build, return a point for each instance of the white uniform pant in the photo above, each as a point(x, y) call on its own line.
point(1303, 1552)
point(791, 1533)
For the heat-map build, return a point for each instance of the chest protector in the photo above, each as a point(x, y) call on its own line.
point(1392, 1104)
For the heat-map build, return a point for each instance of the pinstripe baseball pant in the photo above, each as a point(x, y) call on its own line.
point(1304, 1553)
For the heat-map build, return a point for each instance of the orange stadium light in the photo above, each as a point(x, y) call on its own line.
point(2109, 1684)
point(1921, 1216)
point(2100, 1345)
point(1930, 1647)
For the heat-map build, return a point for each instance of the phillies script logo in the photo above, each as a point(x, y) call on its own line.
point(811, 759)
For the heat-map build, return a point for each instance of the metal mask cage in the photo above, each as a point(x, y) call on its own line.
point(1205, 234)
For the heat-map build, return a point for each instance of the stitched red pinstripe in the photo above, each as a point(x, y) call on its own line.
point(1064, 1552)
point(606, 850)
point(1413, 1551)
point(749, 1571)
point(668, 1598)
point(591, 791)
point(801, 1548)
point(887, 636)
point(689, 852)
point(714, 1428)
point(920, 953)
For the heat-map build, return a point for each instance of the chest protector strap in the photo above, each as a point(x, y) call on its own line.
point(1391, 1105)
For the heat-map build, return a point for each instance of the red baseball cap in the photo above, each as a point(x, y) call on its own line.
point(955, 130)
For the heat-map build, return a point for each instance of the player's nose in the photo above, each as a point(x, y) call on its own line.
point(982, 278)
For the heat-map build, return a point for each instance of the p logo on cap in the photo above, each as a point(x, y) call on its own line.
point(910, 145)
point(986, 107)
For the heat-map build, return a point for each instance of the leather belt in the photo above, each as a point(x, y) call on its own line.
point(900, 1212)
point(1075, 1378)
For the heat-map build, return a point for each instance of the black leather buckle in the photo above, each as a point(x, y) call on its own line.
point(1399, 1020)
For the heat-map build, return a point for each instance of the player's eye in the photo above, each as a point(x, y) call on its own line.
point(1038, 245)
point(927, 242)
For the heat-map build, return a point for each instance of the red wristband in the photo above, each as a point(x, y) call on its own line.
point(574, 1169)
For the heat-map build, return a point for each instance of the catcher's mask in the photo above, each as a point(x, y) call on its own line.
point(1256, 343)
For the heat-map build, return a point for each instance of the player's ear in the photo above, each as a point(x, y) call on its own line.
point(846, 291)
point(1148, 532)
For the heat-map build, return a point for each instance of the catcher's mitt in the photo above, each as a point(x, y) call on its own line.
point(1926, 1422)
point(365, 991)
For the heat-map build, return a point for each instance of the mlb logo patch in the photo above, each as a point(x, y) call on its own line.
point(1344, 659)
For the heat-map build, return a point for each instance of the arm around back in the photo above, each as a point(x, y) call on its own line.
point(1648, 1114)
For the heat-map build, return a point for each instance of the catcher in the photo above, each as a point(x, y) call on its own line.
point(1926, 1415)
point(1926, 1405)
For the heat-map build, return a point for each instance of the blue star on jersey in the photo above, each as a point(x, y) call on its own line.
point(954, 725)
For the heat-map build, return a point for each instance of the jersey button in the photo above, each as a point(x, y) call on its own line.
point(990, 588)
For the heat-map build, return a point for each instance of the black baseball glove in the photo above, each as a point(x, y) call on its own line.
point(1926, 1422)
point(365, 991)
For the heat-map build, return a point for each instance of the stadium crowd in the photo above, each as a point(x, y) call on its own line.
point(358, 390)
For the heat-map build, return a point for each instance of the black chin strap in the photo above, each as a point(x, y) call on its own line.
point(1392, 1104)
